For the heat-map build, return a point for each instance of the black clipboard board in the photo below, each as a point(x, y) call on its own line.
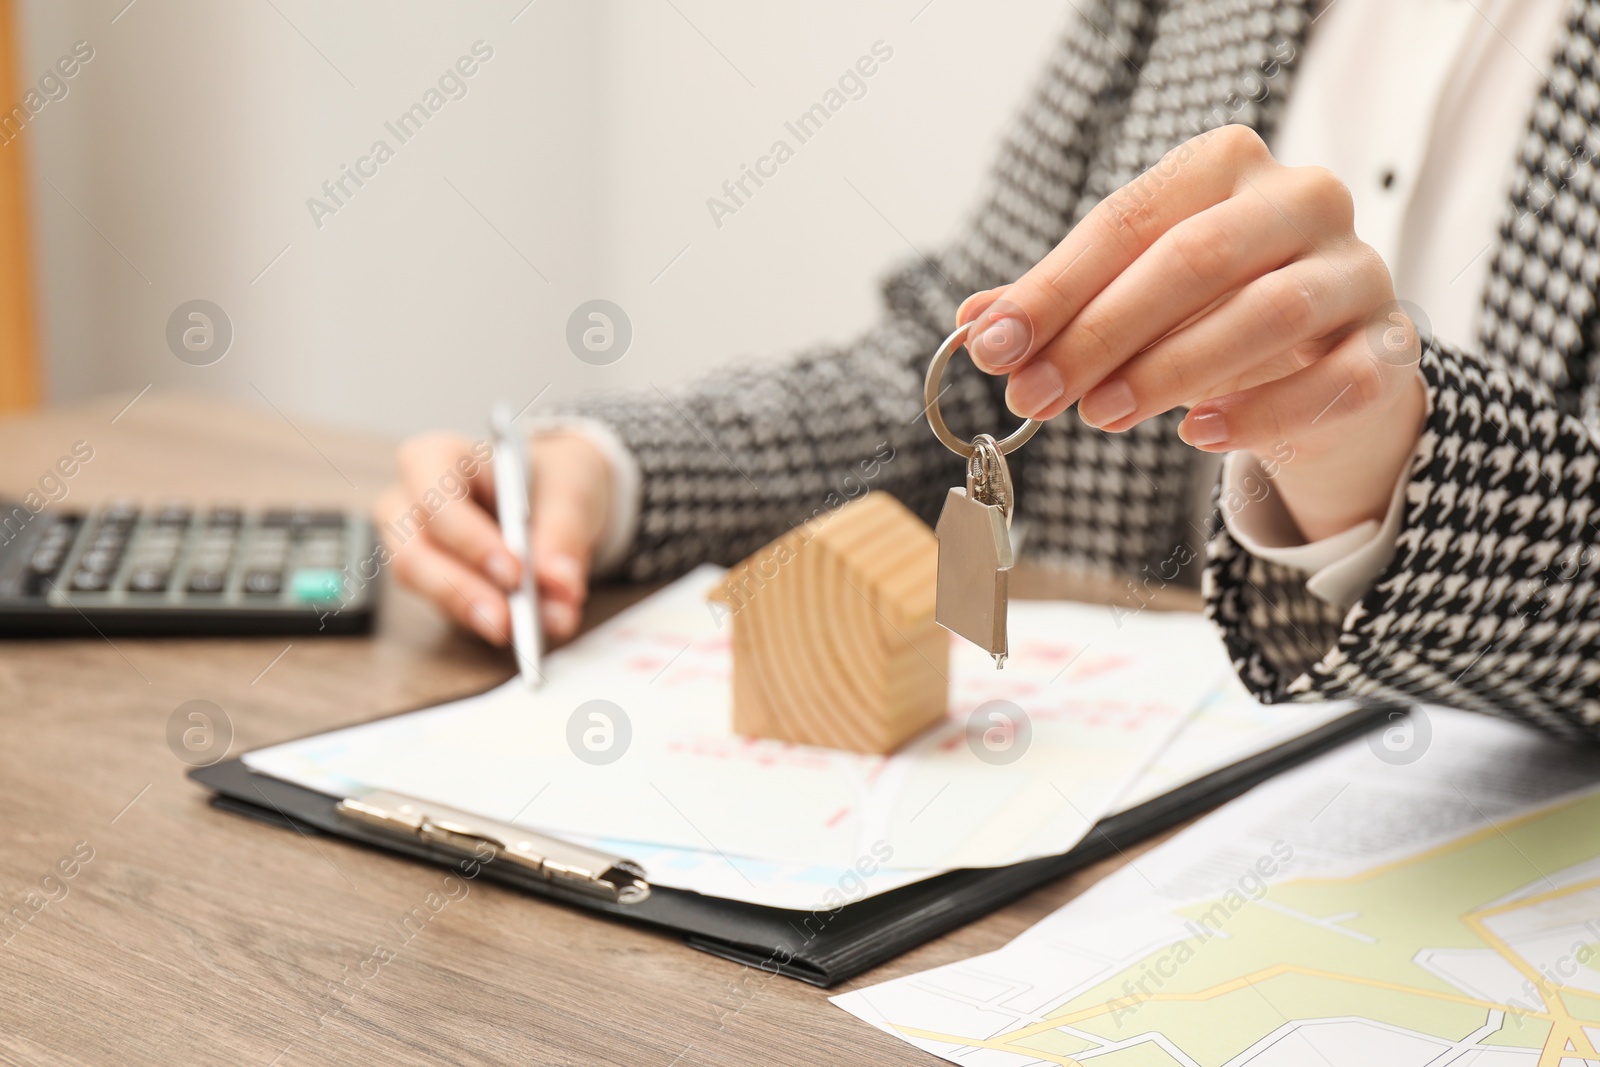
point(822, 947)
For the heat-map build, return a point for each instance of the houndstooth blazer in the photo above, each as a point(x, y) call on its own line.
point(1490, 601)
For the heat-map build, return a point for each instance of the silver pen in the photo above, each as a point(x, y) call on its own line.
point(511, 501)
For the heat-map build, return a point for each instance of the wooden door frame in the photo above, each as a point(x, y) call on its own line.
point(19, 365)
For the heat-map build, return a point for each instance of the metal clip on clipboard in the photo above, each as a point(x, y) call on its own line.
point(587, 870)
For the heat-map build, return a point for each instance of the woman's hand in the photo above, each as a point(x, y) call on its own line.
point(438, 525)
point(1225, 282)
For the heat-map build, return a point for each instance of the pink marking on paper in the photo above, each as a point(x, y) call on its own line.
point(1101, 667)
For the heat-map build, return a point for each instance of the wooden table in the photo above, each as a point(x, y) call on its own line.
point(193, 936)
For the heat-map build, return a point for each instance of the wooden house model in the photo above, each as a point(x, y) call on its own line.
point(833, 632)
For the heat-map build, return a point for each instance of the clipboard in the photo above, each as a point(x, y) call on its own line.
point(821, 947)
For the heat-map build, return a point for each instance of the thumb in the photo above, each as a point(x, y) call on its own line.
point(563, 541)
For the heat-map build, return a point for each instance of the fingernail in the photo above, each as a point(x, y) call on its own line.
point(1106, 403)
point(559, 617)
point(1034, 388)
point(483, 622)
point(974, 298)
point(1204, 431)
point(503, 569)
point(1003, 342)
point(565, 571)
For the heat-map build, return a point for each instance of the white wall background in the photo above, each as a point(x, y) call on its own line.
point(179, 164)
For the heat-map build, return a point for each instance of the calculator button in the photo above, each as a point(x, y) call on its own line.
point(51, 549)
point(148, 580)
point(58, 536)
point(98, 560)
point(46, 559)
point(89, 581)
point(172, 515)
point(316, 584)
point(205, 581)
point(155, 545)
point(319, 557)
point(226, 515)
point(263, 582)
point(123, 512)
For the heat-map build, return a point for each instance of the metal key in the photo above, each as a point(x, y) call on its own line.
point(974, 530)
point(975, 557)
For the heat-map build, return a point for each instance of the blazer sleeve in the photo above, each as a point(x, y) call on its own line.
point(1490, 601)
point(736, 459)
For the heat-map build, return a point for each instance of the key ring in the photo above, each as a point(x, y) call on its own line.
point(930, 396)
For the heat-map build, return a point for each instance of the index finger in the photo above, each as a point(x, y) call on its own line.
point(447, 483)
point(1198, 174)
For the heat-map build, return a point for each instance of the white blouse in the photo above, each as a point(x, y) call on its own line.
point(1420, 107)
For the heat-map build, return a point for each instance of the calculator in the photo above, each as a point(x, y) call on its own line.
point(177, 569)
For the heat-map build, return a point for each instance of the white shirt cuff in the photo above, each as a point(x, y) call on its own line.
point(622, 522)
point(1339, 568)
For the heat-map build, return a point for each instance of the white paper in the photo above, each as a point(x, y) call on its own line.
point(1359, 911)
point(1102, 697)
point(1228, 727)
